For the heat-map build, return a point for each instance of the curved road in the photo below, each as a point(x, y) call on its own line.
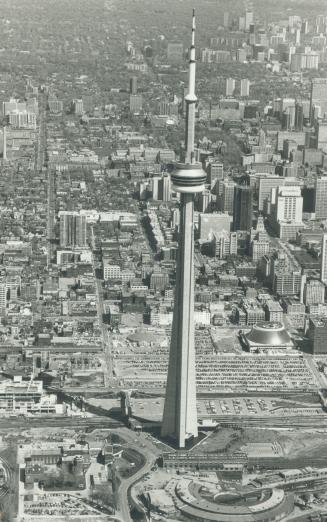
point(145, 447)
point(122, 501)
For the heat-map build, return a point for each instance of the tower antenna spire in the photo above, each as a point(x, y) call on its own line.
point(191, 100)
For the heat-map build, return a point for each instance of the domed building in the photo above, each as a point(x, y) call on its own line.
point(267, 336)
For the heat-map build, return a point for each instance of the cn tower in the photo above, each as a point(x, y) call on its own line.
point(180, 413)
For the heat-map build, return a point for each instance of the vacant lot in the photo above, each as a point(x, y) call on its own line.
point(294, 443)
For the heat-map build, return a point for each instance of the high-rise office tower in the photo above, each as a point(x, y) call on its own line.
point(286, 211)
point(133, 85)
point(298, 124)
point(155, 187)
point(321, 23)
point(180, 414)
point(314, 292)
point(243, 207)
point(298, 36)
point(321, 197)
point(3, 297)
point(248, 19)
point(230, 86)
point(164, 188)
point(245, 87)
point(321, 133)
point(135, 103)
point(227, 196)
point(226, 19)
point(266, 183)
point(318, 95)
point(72, 229)
point(215, 172)
point(241, 55)
point(323, 262)
point(317, 333)
point(308, 194)
point(241, 23)
point(289, 204)
point(78, 107)
point(4, 138)
point(205, 201)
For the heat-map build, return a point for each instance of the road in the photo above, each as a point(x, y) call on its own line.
point(141, 444)
point(40, 149)
point(107, 344)
point(41, 163)
point(123, 504)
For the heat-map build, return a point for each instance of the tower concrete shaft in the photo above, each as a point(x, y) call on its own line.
point(180, 413)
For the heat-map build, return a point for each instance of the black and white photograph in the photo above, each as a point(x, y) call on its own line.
point(163, 261)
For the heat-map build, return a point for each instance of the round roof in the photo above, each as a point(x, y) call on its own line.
point(272, 334)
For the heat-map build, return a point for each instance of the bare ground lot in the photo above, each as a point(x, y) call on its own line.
point(295, 443)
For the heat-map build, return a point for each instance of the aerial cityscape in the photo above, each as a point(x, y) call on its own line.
point(163, 261)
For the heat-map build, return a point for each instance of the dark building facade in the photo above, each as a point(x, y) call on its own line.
point(318, 334)
point(243, 207)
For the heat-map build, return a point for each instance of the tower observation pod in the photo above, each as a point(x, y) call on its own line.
point(180, 414)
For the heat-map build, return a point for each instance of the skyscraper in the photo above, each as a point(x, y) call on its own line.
point(3, 297)
point(317, 333)
point(318, 95)
point(321, 133)
point(72, 229)
point(78, 107)
point(245, 87)
point(133, 85)
point(230, 86)
point(248, 19)
point(289, 204)
point(215, 172)
point(320, 197)
point(135, 103)
point(4, 140)
point(314, 292)
point(323, 263)
point(164, 188)
point(298, 124)
point(243, 207)
point(226, 19)
point(180, 414)
point(286, 211)
point(266, 183)
point(227, 197)
point(204, 203)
